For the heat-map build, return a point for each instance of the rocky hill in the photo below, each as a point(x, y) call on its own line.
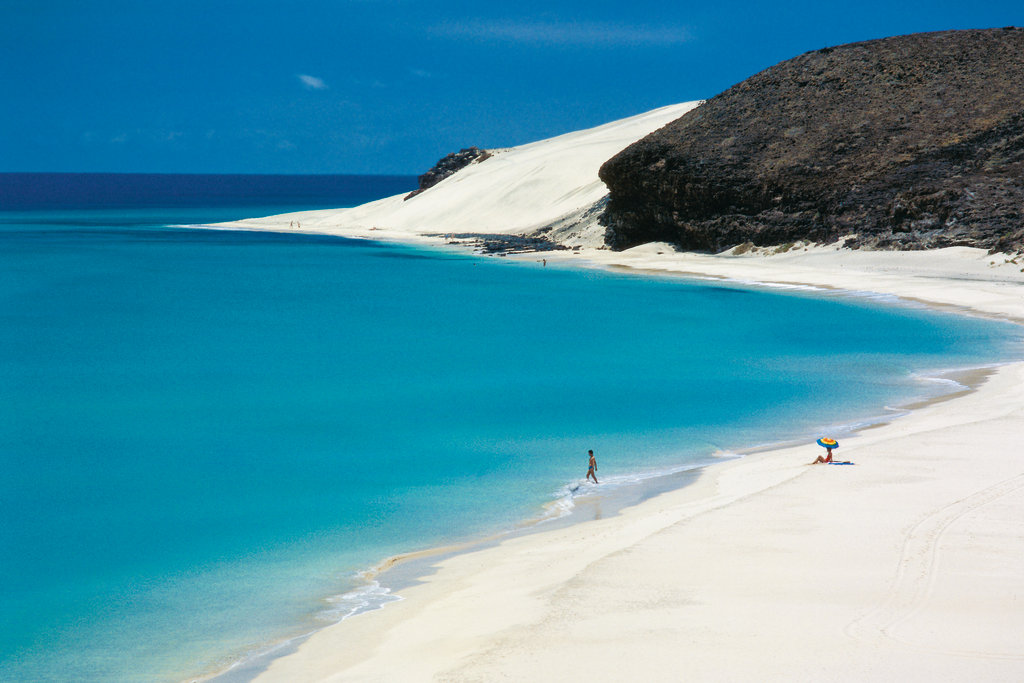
point(447, 166)
point(909, 142)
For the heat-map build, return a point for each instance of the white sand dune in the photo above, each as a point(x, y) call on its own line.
point(908, 566)
point(516, 191)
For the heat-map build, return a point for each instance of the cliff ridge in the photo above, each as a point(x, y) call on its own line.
point(910, 142)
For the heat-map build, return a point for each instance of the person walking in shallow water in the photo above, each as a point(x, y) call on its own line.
point(592, 468)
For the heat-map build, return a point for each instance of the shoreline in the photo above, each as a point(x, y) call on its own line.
point(914, 277)
point(399, 572)
point(420, 568)
point(479, 572)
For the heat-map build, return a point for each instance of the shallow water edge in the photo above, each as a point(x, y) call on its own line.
point(393, 574)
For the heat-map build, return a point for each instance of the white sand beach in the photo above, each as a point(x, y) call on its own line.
point(907, 566)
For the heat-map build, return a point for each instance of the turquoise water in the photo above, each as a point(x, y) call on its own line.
point(205, 434)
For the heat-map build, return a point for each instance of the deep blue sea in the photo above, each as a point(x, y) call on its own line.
point(206, 435)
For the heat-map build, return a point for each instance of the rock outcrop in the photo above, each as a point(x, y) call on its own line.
point(449, 165)
point(909, 142)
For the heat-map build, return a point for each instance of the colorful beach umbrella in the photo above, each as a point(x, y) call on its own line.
point(826, 442)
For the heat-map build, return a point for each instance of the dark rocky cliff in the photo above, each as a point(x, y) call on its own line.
point(909, 142)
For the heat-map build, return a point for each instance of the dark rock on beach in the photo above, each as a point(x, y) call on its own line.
point(447, 166)
point(911, 142)
point(503, 244)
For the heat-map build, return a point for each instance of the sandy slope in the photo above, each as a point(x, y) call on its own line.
point(517, 190)
point(956, 277)
point(909, 566)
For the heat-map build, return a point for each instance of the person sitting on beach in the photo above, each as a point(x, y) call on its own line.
point(592, 468)
point(826, 459)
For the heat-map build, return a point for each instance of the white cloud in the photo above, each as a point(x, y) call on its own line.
point(561, 33)
point(312, 82)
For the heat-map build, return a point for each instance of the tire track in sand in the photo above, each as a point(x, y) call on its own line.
point(917, 572)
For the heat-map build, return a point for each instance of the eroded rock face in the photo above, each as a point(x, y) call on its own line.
point(447, 166)
point(909, 142)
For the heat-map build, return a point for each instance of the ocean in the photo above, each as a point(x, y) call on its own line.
point(207, 436)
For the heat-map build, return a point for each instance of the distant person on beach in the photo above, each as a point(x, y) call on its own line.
point(824, 459)
point(828, 443)
point(592, 468)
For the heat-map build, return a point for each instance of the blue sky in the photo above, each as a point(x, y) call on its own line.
point(383, 86)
